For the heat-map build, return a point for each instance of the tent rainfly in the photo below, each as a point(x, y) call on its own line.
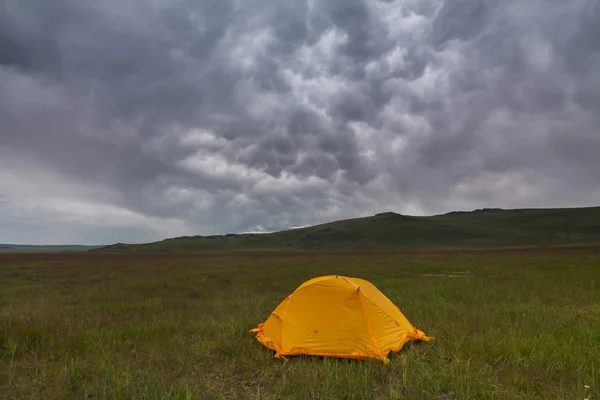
point(337, 316)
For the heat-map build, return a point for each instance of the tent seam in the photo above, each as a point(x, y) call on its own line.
point(304, 286)
point(380, 309)
point(364, 312)
point(285, 310)
point(324, 317)
point(284, 315)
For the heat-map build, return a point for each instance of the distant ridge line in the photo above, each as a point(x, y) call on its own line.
point(484, 228)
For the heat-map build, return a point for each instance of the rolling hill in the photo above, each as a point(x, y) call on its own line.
point(27, 248)
point(478, 229)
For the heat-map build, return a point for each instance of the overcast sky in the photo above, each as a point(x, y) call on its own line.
point(136, 120)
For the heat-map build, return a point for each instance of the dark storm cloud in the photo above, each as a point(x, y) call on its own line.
point(461, 20)
point(205, 117)
point(514, 72)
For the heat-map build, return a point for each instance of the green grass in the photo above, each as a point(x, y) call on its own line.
point(469, 230)
point(506, 326)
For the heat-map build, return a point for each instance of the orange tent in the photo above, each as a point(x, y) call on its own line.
point(337, 316)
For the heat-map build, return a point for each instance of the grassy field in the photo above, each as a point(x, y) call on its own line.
point(507, 325)
point(478, 229)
